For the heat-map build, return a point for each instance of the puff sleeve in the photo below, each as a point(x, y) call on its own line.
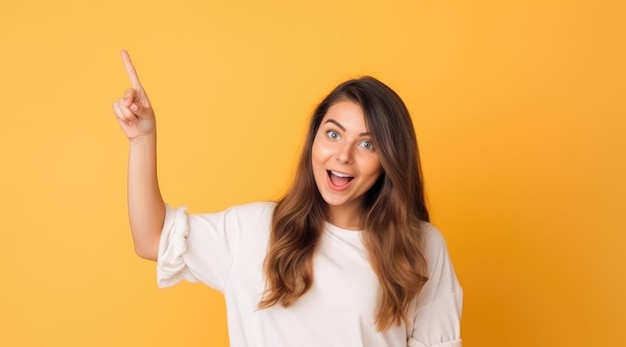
point(437, 314)
point(197, 248)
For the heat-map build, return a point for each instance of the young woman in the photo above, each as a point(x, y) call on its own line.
point(346, 258)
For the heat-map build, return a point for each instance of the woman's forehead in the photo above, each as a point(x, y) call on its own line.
point(346, 114)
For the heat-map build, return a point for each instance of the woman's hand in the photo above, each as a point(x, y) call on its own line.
point(133, 110)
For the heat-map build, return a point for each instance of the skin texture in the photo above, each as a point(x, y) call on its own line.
point(343, 145)
point(146, 209)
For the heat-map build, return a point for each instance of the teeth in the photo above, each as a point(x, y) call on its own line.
point(339, 174)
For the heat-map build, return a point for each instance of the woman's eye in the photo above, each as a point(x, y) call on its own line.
point(367, 145)
point(332, 134)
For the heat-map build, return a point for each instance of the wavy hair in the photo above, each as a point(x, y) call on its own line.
point(394, 207)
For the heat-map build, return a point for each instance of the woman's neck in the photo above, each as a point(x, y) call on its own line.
point(346, 217)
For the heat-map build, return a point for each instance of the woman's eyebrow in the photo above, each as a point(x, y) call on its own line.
point(336, 123)
point(343, 128)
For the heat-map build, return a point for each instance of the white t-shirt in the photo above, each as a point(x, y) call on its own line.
point(226, 251)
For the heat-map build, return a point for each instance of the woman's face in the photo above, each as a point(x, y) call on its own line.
point(344, 158)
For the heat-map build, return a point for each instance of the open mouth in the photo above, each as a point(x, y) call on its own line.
point(339, 179)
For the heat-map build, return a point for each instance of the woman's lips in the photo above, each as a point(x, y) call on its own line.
point(339, 180)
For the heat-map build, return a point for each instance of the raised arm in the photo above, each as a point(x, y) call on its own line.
point(146, 209)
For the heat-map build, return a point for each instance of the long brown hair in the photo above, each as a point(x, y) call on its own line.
point(393, 209)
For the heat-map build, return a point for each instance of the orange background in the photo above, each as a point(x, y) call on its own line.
point(520, 113)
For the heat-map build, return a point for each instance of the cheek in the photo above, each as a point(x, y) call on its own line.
point(373, 167)
point(320, 151)
point(315, 152)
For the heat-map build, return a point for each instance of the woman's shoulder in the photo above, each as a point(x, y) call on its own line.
point(434, 241)
point(442, 277)
point(254, 209)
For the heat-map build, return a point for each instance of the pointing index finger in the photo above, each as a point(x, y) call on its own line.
point(130, 70)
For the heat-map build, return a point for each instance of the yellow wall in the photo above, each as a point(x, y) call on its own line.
point(520, 112)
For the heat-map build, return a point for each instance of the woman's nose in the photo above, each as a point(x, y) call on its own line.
point(344, 154)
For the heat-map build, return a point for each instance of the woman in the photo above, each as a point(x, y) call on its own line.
point(346, 258)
